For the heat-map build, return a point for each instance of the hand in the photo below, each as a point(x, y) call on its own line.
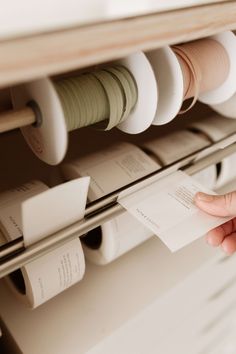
point(220, 205)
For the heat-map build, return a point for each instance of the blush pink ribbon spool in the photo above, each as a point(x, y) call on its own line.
point(205, 66)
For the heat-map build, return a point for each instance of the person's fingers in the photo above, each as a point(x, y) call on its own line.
point(229, 244)
point(219, 205)
point(216, 236)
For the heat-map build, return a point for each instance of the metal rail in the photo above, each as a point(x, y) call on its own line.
point(14, 255)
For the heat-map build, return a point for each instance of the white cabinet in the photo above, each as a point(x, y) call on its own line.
point(149, 300)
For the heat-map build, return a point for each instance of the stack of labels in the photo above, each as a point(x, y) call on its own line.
point(123, 95)
point(175, 146)
point(49, 275)
point(111, 168)
point(216, 128)
point(23, 212)
point(114, 238)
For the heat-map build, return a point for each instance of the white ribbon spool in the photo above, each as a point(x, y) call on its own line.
point(144, 111)
point(227, 108)
point(170, 84)
point(49, 140)
point(228, 88)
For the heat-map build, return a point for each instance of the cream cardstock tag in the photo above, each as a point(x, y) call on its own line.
point(10, 205)
point(167, 208)
point(54, 209)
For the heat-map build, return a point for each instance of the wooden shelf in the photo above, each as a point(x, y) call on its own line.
point(27, 58)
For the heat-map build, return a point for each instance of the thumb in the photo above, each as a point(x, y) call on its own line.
point(218, 205)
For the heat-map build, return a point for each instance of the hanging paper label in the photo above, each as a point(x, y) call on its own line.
point(167, 208)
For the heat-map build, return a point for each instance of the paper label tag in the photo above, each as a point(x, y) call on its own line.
point(54, 272)
point(10, 205)
point(216, 127)
point(35, 211)
point(167, 208)
point(54, 209)
point(176, 145)
point(114, 168)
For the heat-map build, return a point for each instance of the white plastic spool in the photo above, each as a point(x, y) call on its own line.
point(170, 84)
point(49, 140)
point(228, 88)
point(142, 115)
point(227, 108)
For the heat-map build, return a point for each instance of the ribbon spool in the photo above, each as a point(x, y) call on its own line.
point(216, 128)
point(227, 108)
point(170, 84)
point(208, 68)
point(228, 88)
point(223, 100)
point(48, 138)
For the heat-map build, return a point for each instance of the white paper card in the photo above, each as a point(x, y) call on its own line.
point(167, 208)
point(10, 205)
point(54, 209)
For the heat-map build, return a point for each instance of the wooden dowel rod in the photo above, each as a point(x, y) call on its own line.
point(14, 119)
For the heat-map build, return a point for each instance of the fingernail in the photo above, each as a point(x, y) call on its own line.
point(210, 241)
point(204, 197)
